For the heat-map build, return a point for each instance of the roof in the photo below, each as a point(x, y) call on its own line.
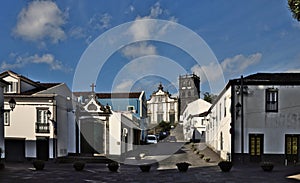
point(41, 87)
point(284, 78)
point(13, 74)
point(38, 86)
point(270, 78)
point(110, 95)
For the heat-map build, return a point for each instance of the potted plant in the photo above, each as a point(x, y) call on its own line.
point(145, 168)
point(267, 166)
point(201, 156)
point(225, 166)
point(113, 166)
point(207, 159)
point(183, 166)
point(2, 165)
point(79, 165)
point(38, 164)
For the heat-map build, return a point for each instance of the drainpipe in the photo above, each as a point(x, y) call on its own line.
point(242, 118)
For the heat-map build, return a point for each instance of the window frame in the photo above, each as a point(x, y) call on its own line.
point(44, 117)
point(271, 100)
point(6, 115)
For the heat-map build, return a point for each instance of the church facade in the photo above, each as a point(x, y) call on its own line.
point(162, 107)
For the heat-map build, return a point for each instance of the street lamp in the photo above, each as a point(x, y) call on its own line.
point(12, 104)
point(238, 108)
point(49, 114)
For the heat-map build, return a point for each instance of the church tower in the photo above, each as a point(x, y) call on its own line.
point(189, 90)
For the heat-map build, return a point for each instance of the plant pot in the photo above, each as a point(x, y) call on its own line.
point(267, 167)
point(79, 165)
point(183, 167)
point(2, 165)
point(207, 159)
point(38, 164)
point(113, 167)
point(225, 166)
point(145, 168)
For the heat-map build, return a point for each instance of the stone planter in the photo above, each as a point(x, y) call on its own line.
point(267, 166)
point(79, 165)
point(113, 166)
point(207, 159)
point(2, 165)
point(145, 168)
point(183, 166)
point(38, 164)
point(225, 166)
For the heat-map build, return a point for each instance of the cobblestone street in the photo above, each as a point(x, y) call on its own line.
point(164, 171)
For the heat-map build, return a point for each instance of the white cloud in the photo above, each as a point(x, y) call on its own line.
point(100, 21)
point(155, 10)
point(77, 32)
point(138, 50)
point(20, 61)
point(231, 67)
point(41, 20)
point(141, 30)
point(96, 23)
point(238, 63)
point(124, 86)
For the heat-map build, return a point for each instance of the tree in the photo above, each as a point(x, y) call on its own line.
point(294, 6)
point(209, 97)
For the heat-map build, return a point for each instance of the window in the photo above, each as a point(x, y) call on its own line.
point(172, 106)
point(160, 107)
point(130, 108)
point(221, 141)
point(189, 93)
point(172, 118)
point(159, 117)
point(225, 107)
point(272, 100)
point(42, 115)
point(42, 125)
point(12, 88)
point(189, 83)
point(220, 111)
point(6, 118)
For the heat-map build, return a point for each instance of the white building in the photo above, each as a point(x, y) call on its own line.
point(101, 131)
point(3, 84)
point(194, 120)
point(162, 107)
point(42, 124)
point(257, 118)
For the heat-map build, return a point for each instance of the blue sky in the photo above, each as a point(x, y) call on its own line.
point(44, 40)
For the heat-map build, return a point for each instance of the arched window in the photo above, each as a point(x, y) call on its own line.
point(221, 141)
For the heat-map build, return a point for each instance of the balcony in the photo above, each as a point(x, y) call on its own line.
point(42, 127)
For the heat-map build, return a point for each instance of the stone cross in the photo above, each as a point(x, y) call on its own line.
point(93, 86)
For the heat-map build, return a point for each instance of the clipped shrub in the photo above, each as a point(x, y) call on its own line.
point(201, 156)
point(145, 168)
point(79, 165)
point(207, 159)
point(183, 166)
point(38, 164)
point(113, 166)
point(225, 166)
point(267, 166)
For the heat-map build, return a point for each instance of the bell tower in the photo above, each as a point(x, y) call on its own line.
point(189, 90)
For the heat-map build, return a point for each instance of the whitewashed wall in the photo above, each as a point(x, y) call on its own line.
point(274, 126)
point(219, 123)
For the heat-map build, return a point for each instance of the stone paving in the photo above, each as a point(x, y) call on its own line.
point(164, 171)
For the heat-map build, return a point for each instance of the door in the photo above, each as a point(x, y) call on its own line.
point(42, 148)
point(92, 138)
point(256, 147)
point(292, 148)
point(15, 150)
